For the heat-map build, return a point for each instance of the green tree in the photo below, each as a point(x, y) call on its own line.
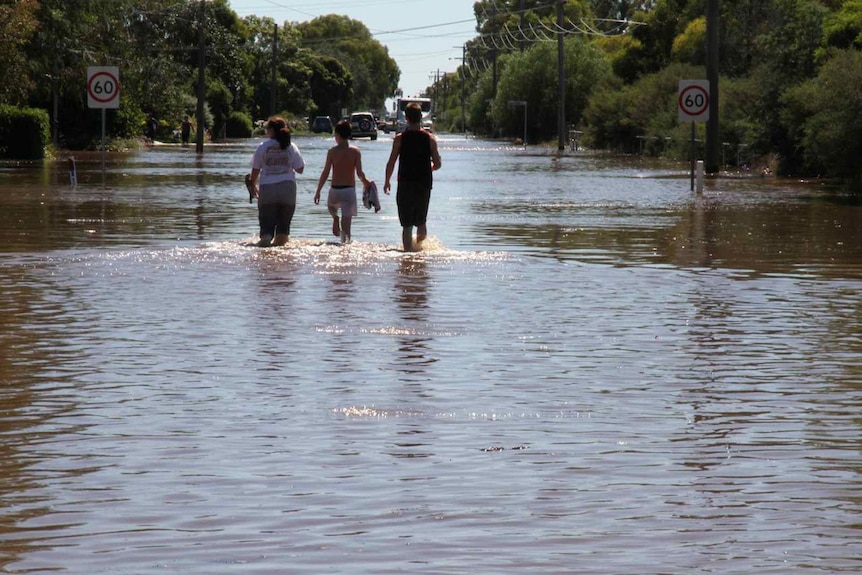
point(137, 36)
point(293, 69)
point(259, 50)
point(504, 28)
point(500, 21)
point(331, 86)
point(785, 58)
point(843, 28)
point(531, 76)
point(609, 124)
point(623, 53)
point(829, 109)
point(374, 74)
point(663, 21)
point(742, 21)
point(228, 64)
point(481, 97)
point(642, 116)
point(739, 128)
point(157, 63)
point(17, 24)
point(690, 45)
point(227, 61)
point(295, 93)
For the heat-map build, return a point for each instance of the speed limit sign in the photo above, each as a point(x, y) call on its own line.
point(694, 100)
point(103, 87)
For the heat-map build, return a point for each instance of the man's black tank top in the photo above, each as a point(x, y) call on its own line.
point(414, 161)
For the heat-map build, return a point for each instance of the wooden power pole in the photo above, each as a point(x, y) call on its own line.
point(199, 143)
point(561, 82)
point(274, 88)
point(713, 141)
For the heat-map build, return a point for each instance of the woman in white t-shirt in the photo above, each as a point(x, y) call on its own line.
point(273, 171)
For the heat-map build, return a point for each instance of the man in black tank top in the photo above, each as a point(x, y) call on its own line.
point(417, 156)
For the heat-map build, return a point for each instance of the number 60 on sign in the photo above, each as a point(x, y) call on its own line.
point(103, 87)
point(693, 100)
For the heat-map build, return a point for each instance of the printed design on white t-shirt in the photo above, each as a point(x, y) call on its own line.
point(277, 161)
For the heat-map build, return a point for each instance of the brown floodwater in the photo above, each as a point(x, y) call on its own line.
point(588, 369)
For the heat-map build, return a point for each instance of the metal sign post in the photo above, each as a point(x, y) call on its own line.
point(691, 154)
point(693, 107)
point(103, 92)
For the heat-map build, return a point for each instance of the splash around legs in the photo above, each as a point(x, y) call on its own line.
point(407, 239)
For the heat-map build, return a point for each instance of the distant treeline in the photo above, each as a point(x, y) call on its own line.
point(790, 78)
point(320, 67)
point(790, 72)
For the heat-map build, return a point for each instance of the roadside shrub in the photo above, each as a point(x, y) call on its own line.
point(24, 133)
point(127, 120)
point(829, 110)
point(238, 125)
point(608, 118)
point(643, 116)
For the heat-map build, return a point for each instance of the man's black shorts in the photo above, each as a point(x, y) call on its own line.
point(412, 199)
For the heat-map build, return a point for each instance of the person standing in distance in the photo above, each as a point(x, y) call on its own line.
point(275, 164)
point(417, 156)
point(186, 130)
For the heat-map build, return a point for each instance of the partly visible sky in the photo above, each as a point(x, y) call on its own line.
point(423, 36)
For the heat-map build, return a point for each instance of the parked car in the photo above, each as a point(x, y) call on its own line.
point(363, 125)
point(321, 124)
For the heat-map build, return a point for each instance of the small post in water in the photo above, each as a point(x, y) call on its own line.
point(692, 156)
point(699, 178)
point(73, 172)
point(103, 145)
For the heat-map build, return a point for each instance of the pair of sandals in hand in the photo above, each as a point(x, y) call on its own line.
point(252, 193)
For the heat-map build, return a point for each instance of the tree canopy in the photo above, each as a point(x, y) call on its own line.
point(788, 70)
point(782, 96)
point(321, 66)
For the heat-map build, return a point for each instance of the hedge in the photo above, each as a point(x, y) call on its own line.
point(238, 125)
point(24, 133)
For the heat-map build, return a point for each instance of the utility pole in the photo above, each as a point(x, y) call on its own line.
point(445, 86)
point(712, 134)
point(494, 56)
point(274, 88)
point(199, 144)
point(55, 96)
point(463, 78)
point(494, 72)
point(561, 81)
point(463, 73)
point(435, 90)
point(436, 95)
point(521, 27)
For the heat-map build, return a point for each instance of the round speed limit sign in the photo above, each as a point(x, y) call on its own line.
point(103, 87)
point(694, 100)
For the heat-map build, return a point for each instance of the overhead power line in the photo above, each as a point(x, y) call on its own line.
point(506, 37)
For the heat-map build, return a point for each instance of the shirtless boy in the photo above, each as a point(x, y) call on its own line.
point(343, 160)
